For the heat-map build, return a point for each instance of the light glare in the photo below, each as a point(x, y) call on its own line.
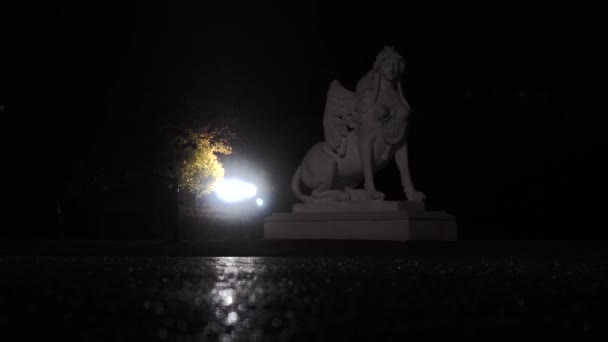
point(235, 190)
point(259, 201)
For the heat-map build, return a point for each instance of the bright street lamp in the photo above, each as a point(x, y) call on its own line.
point(235, 190)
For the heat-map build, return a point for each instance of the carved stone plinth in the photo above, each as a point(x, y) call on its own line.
point(379, 220)
point(367, 206)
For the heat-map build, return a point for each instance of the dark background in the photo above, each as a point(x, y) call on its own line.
point(508, 98)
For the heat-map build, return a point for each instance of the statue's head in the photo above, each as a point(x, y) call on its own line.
point(389, 63)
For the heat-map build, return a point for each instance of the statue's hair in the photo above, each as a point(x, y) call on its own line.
point(386, 53)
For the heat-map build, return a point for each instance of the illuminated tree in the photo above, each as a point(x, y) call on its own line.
point(199, 169)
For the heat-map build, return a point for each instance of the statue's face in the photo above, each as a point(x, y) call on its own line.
point(392, 68)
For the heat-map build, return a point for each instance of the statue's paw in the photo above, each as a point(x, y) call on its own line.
point(343, 196)
point(375, 195)
point(415, 196)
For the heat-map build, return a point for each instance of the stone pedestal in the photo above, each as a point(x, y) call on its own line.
point(378, 220)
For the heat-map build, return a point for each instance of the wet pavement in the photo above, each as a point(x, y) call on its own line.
point(298, 298)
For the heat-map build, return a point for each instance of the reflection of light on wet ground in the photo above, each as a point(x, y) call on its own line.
point(302, 299)
point(233, 289)
point(226, 296)
point(232, 317)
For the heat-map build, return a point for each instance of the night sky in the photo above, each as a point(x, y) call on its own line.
point(508, 128)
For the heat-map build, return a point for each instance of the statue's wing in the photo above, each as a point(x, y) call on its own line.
point(339, 116)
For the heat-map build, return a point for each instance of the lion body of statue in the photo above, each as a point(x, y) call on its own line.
point(364, 131)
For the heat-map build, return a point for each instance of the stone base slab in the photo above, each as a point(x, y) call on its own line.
point(363, 206)
point(372, 225)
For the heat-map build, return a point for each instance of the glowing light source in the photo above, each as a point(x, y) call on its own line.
point(259, 201)
point(234, 190)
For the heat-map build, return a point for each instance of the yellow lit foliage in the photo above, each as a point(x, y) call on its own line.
point(200, 169)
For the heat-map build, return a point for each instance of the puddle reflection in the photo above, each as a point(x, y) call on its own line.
point(232, 296)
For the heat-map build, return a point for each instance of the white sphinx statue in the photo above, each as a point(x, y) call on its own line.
point(364, 131)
